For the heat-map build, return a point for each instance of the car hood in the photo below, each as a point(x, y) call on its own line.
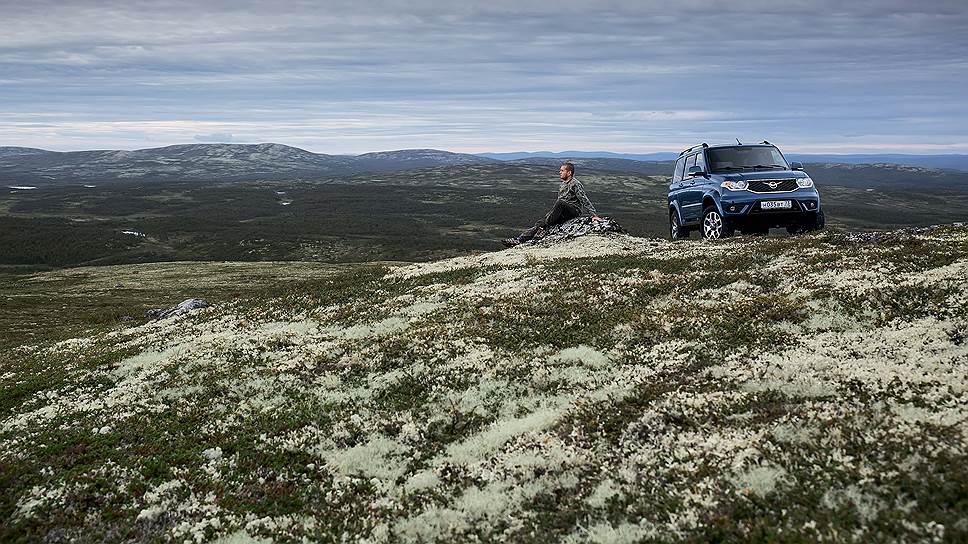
point(765, 174)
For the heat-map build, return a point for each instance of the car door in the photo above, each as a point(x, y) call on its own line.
point(675, 187)
point(690, 198)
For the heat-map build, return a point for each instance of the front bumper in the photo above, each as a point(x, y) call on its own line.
point(746, 208)
point(754, 207)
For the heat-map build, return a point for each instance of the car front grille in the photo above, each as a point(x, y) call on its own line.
point(772, 185)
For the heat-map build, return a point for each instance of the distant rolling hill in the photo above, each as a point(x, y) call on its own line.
point(11, 151)
point(388, 161)
point(236, 162)
point(209, 162)
point(187, 162)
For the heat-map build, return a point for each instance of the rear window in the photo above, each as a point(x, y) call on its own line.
point(690, 162)
point(679, 168)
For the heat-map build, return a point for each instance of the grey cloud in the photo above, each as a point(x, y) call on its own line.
point(215, 137)
point(579, 70)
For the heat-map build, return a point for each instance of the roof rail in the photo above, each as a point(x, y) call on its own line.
point(766, 142)
point(703, 145)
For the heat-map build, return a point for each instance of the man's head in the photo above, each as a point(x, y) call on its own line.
point(566, 171)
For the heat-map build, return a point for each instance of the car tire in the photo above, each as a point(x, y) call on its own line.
point(714, 226)
point(676, 230)
point(820, 222)
point(814, 224)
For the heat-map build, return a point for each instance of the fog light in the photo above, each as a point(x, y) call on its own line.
point(732, 208)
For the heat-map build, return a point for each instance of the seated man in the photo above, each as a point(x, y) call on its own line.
point(572, 202)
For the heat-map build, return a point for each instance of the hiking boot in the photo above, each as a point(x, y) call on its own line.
point(510, 242)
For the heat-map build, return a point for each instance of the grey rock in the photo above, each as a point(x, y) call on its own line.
point(182, 308)
point(573, 228)
point(893, 235)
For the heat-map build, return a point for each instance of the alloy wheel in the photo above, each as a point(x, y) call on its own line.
point(712, 226)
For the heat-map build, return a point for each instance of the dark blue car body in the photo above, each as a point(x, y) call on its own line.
point(740, 197)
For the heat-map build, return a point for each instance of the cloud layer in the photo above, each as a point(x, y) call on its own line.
point(344, 77)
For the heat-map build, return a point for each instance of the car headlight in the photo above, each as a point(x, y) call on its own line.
point(803, 183)
point(734, 185)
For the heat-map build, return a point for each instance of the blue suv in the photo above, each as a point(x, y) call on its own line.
point(751, 188)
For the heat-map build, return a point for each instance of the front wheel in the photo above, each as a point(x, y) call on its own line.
point(815, 224)
point(714, 226)
point(820, 222)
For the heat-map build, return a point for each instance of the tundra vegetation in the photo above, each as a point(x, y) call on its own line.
point(409, 215)
point(604, 389)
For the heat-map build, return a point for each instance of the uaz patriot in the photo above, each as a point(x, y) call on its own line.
point(720, 189)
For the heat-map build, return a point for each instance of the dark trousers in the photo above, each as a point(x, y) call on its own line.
point(560, 213)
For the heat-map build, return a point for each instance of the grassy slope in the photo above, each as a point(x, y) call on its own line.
point(606, 389)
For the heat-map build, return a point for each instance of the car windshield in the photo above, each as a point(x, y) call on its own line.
point(735, 159)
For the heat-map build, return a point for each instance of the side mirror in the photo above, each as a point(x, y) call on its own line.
point(796, 165)
point(696, 171)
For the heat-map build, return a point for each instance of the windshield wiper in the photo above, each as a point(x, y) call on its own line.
point(749, 166)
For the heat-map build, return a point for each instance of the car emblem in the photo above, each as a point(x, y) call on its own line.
point(773, 184)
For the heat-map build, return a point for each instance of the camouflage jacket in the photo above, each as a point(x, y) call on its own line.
point(572, 192)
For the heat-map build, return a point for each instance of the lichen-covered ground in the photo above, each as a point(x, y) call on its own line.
point(602, 390)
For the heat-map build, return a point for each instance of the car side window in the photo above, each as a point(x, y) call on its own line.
point(690, 162)
point(701, 161)
point(679, 169)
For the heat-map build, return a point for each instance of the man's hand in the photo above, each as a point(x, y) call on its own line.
point(597, 218)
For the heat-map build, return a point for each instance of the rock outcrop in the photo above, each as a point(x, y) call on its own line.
point(895, 235)
point(579, 226)
point(183, 307)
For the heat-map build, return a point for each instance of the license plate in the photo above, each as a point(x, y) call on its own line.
point(776, 205)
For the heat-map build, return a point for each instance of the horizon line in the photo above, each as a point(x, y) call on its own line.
point(886, 150)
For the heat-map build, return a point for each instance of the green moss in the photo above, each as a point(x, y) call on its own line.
point(906, 302)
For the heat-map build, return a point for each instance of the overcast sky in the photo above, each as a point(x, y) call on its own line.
point(357, 76)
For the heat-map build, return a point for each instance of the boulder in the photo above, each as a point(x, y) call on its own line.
point(182, 308)
point(573, 228)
